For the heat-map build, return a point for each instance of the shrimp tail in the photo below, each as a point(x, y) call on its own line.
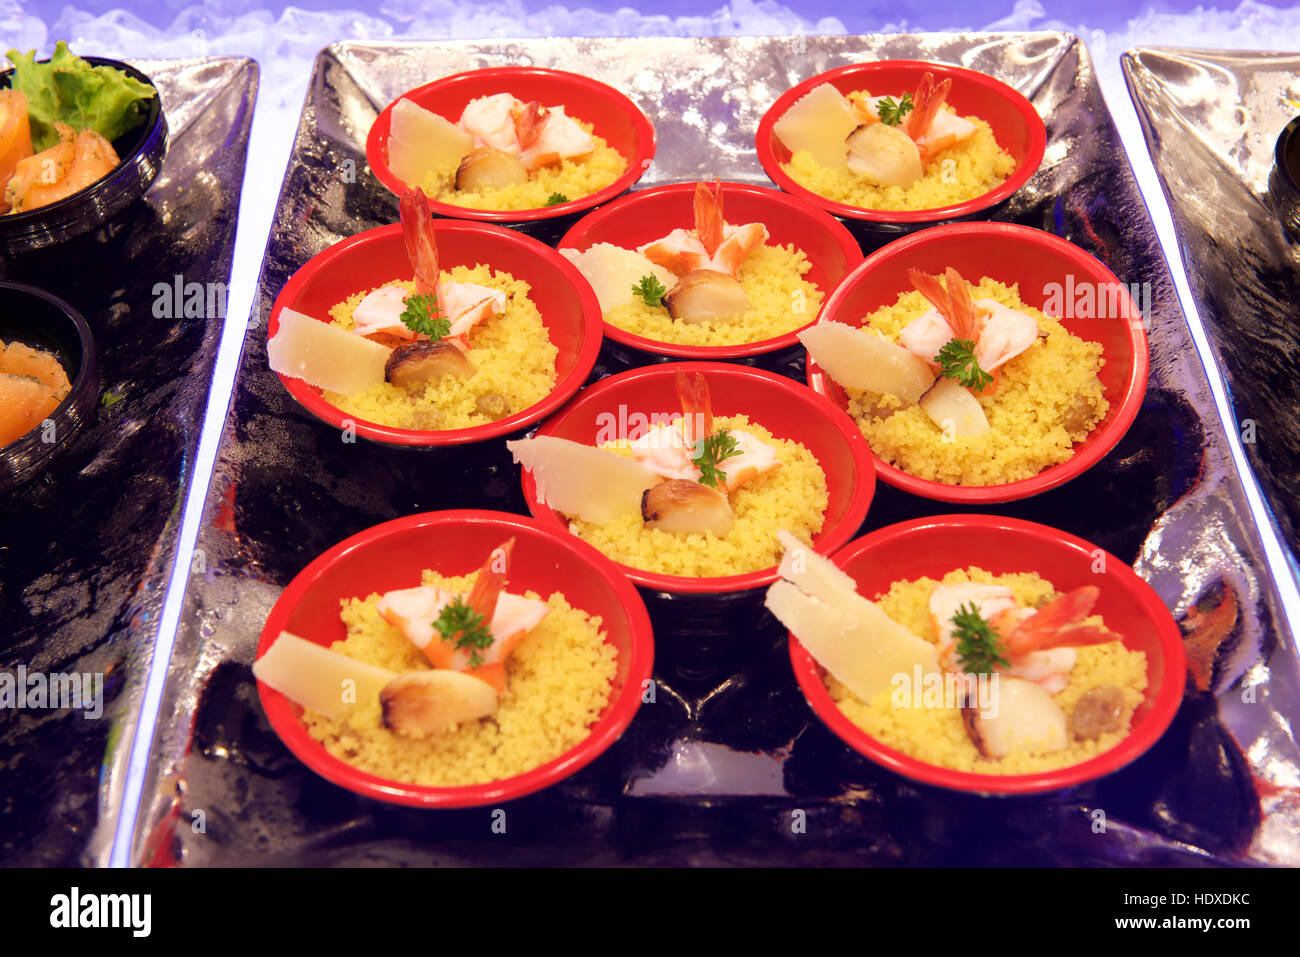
point(963, 318)
point(528, 118)
point(1057, 624)
point(926, 101)
point(421, 248)
point(491, 581)
point(697, 406)
point(708, 215)
point(954, 302)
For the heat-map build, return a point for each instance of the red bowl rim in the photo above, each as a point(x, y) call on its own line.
point(856, 511)
point(843, 238)
point(280, 710)
point(1036, 148)
point(636, 165)
point(310, 398)
point(1140, 739)
point(1053, 476)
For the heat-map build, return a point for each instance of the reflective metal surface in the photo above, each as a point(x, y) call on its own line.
point(86, 548)
point(727, 765)
point(1212, 120)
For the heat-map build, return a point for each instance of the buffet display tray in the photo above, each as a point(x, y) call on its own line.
point(1211, 120)
point(87, 547)
point(728, 765)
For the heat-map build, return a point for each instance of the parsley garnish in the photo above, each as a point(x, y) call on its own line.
point(957, 361)
point(555, 199)
point(891, 111)
point(422, 314)
point(461, 624)
point(710, 452)
point(651, 290)
point(977, 643)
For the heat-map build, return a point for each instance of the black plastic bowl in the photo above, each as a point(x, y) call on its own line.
point(1284, 181)
point(141, 152)
point(42, 321)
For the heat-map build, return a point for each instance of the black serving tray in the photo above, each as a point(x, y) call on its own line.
point(728, 765)
point(87, 547)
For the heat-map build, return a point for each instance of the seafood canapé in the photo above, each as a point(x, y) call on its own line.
point(692, 495)
point(715, 283)
point(454, 681)
point(912, 152)
point(502, 153)
point(57, 124)
point(443, 351)
point(977, 389)
point(991, 674)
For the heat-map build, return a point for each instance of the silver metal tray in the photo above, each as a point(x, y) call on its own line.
point(712, 772)
point(88, 547)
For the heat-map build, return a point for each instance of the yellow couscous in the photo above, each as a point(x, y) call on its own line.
point(792, 497)
point(961, 172)
point(558, 681)
point(781, 301)
point(570, 178)
point(936, 735)
point(512, 354)
point(1046, 400)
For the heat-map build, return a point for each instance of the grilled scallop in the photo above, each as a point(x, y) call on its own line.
point(489, 168)
point(706, 294)
point(414, 365)
point(684, 507)
point(421, 703)
point(884, 155)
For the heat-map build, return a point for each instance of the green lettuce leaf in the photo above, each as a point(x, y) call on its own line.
point(70, 90)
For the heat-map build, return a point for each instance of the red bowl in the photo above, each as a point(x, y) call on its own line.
point(1016, 125)
point(378, 256)
point(1009, 254)
point(616, 119)
point(781, 406)
point(932, 547)
point(392, 555)
point(649, 214)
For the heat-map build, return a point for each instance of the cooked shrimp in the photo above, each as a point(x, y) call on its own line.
point(464, 304)
point(537, 135)
point(897, 155)
point(1040, 644)
point(999, 333)
point(930, 126)
point(508, 618)
point(1059, 623)
point(711, 244)
point(75, 162)
point(670, 450)
point(946, 600)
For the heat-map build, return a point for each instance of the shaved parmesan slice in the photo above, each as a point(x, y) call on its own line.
point(421, 142)
point(593, 484)
point(849, 636)
point(858, 360)
point(818, 123)
point(613, 271)
point(318, 678)
point(324, 355)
